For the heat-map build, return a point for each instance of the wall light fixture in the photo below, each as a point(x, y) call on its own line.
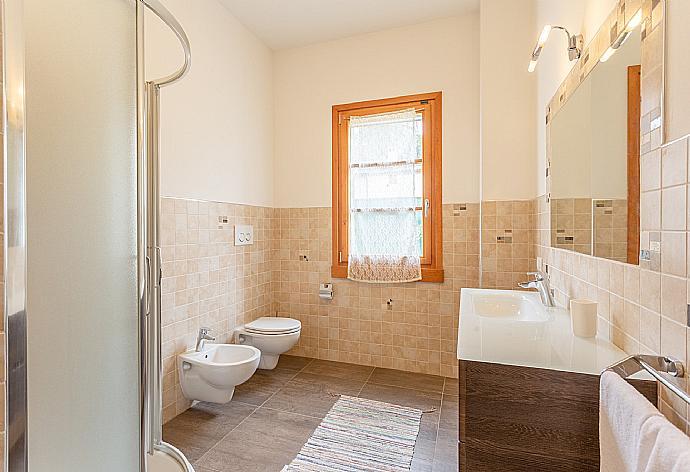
point(575, 43)
point(623, 36)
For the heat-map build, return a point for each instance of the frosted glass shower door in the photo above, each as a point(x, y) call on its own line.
point(81, 183)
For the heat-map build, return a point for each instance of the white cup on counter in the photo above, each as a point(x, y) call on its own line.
point(583, 317)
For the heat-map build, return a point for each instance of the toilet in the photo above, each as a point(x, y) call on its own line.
point(271, 335)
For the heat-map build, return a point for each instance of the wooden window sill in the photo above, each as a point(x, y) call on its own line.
point(428, 274)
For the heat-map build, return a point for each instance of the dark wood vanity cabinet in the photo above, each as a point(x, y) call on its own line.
point(515, 419)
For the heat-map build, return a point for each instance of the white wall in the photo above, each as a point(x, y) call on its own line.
point(217, 123)
point(437, 55)
point(508, 94)
point(578, 16)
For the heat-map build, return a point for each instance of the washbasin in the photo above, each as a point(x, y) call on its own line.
point(211, 375)
point(508, 305)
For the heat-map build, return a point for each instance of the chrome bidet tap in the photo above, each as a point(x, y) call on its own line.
point(202, 338)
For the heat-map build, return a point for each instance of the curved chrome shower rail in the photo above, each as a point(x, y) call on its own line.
point(166, 17)
point(148, 182)
point(176, 454)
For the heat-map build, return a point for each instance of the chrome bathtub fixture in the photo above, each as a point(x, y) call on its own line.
point(148, 244)
point(575, 43)
point(541, 283)
point(202, 337)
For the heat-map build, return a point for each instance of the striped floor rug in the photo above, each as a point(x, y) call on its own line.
point(361, 435)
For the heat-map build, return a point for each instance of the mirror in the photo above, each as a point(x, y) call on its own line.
point(595, 154)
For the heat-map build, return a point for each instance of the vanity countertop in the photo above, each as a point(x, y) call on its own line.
point(514, 328)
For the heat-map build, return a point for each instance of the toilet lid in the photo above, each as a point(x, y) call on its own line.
point(273, 325)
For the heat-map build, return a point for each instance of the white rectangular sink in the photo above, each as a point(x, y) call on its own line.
point(515, 328)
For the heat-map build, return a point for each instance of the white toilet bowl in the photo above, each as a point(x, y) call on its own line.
point(212, 374)
point(273, 336)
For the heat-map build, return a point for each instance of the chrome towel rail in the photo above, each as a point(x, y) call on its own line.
point(656, 366)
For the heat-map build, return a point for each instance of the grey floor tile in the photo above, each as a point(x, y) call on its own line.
point(197, 430)
point(339, 370)
point(293, 362)
point(449, 412)
point(446, 449)
point(452, 386)
point(397, 378)
point(312, 395)
point(262, 385)
point(264, 442)
point(421, 465)
point(440, 466)
point(403, 396)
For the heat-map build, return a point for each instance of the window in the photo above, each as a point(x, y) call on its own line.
point(382, 188)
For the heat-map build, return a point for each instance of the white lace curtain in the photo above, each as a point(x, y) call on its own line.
point(384, 239)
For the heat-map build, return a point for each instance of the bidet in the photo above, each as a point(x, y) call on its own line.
point(210, 375)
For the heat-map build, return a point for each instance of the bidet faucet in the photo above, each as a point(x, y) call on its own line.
point(202, 338)
point(541, 283)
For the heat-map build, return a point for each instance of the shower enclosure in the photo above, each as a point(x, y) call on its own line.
point(81, 263)
point(157, 450)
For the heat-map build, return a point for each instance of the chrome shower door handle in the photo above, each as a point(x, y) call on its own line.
point(159, 261)
point(147, 286)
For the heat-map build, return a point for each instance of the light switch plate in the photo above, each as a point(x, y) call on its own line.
point(244, 235)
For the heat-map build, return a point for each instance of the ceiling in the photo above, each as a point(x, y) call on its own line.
point(283, 24)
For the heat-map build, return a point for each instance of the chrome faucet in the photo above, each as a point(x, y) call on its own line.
point(541, 283)
point(202, 338)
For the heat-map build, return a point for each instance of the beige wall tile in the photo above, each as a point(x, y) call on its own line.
point(650, 211)
point(617, 280)
point(673, 341)
point(673, 208)
point(673, 253)
point(632, 283)
point(674, 298)
point(650, 330)
point(650, 171)
point(674, 164)
point(650, 290)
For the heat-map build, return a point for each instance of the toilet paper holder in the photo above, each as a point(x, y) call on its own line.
point(326, 291)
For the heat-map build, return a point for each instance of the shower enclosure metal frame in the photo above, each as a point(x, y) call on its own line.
point(14, 242)
point(148, 239)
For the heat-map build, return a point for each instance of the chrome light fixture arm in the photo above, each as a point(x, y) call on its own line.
point(575, 44)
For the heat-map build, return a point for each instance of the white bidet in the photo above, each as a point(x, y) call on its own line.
point(211, 375)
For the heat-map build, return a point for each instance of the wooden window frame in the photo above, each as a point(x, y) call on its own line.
point(431, 106)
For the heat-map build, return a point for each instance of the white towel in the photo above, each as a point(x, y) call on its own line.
point(633, 435)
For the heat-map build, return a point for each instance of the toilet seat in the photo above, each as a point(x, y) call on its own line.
point(273, 326)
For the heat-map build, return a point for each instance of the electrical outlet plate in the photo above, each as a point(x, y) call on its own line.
point(244, 235)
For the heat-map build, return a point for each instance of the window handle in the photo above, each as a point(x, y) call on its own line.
point(427, 205)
